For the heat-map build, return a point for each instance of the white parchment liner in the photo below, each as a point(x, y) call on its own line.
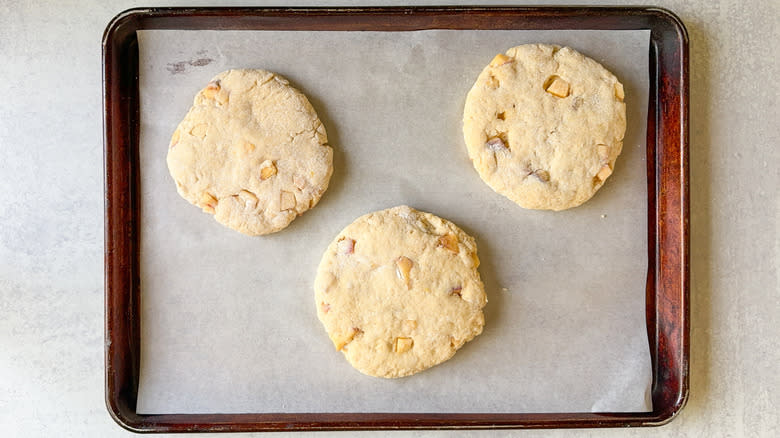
point(228, 322)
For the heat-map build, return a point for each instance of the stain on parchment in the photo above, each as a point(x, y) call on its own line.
point(180, 67)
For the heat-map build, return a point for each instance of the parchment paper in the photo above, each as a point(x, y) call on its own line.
point(228, 322)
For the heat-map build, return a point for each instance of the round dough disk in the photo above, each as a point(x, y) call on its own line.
point(544, 125)
point(398, 291)
point(251, 151)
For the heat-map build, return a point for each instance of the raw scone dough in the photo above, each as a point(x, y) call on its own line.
point(398, 291)
point(544, 126)
point(251, 151)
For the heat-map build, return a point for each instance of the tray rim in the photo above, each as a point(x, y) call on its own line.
point(667, 291)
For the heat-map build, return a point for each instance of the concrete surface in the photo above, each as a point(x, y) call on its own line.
point(51, 221)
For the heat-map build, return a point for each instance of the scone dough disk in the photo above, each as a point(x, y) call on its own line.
point(251, 151)
point(398, 291)
point(544, 125)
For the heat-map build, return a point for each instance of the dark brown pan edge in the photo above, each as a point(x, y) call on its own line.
point(667, 299)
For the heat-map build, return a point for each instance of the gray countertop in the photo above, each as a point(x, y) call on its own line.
point(51, 223)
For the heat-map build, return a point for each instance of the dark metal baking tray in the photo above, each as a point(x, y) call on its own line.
point(667, 291)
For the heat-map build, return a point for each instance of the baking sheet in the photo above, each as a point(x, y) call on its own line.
point(228, 322)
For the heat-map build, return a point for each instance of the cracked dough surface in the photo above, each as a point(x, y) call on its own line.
point(251, 151)
point(541, 150)
point(398, 291)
